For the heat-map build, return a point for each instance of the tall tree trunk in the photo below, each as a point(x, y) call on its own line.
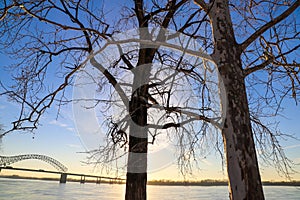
point(136, 180)
point(242, 165)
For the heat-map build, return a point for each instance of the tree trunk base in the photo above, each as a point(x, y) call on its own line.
point(136, 186)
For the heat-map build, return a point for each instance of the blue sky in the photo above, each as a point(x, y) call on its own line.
point(58, 138)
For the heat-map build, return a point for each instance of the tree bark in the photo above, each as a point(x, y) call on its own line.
point(138, 144)
point(136, 180)
point(242, 166)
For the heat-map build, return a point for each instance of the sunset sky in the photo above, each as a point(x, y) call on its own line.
point(58, 137)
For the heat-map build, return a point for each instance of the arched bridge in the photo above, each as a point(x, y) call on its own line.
point(7, 160)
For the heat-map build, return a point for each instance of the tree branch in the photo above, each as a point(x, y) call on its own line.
point(111, 80)
point(65, 27)
point(267, 62)
point(75, 20)
point(139, 11)
point(5, 10)
point(170, 14)
point(38, 109)
point(270, 24)
point(66, 49)
point(192, 115)
point(202, 4)
point(171, 124)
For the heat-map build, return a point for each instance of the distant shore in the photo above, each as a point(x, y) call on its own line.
point(217, 183)
point(162, 182)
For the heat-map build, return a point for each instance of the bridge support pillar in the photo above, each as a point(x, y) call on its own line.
point(63, 178)
point(82, 179)
point(98, 180)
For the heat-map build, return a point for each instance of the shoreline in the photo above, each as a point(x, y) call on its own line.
point(159, 182)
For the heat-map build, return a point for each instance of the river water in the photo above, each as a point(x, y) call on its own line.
point(13, 189)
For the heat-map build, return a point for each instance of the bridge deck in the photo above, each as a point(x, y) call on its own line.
point(55, 172)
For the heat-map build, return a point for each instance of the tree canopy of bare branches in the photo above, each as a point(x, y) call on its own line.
point(253, 45)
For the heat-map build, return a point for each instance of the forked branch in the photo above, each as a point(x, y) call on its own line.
point(270, 24)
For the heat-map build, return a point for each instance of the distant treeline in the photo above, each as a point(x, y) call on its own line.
point(208, 182)
point(189, 183)
point(217, 183)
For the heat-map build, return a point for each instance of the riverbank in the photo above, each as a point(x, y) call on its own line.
point(162, 182)
point(217, 183)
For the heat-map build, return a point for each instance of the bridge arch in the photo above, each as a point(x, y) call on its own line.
point(7, 160)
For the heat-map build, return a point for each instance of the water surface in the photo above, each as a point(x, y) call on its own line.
point(15, 189)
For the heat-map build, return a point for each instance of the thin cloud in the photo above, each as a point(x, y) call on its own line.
point(71, 129)
point(58, 123)
point(205, 161)
point(292, 146)
point(74, 146)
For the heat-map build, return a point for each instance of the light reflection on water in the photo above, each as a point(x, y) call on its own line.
point(49, 190)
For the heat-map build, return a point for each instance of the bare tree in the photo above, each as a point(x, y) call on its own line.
point(252, 40)
point(183, 96)
point(252, 43)
point(63, 33)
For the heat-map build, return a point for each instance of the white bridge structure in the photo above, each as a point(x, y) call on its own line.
point(7, 160)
